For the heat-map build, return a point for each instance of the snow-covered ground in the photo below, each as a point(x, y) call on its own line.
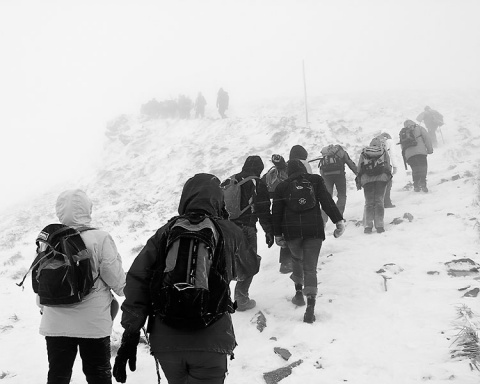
point(388, 309)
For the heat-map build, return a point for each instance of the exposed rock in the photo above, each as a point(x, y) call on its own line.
point(284, 353)
point(279, 374)
point(260, 320)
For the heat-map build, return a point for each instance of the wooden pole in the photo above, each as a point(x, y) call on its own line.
point(305, 92)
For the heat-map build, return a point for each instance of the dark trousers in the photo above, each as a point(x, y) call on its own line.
point(340, 183)
point(95, 355)
point(305, 254)
point(374, 204)
point(419, 166)
point(242, 287)
point(193, 367)
point(285, 255)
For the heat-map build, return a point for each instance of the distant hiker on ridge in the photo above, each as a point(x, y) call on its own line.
point(433, 120)
point(222, 102)
point(200, 104)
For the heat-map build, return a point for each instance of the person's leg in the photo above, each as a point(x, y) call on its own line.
point(369, 193)
point(416, 172)
point(295, 247)
point(311, 251)
point(95, 354)
point(61, 353)
point(388, 201)
point(206, 367)
point(174, 366)
point(379, 210)
point(329, 183)
point(285, 260)
point(341, 185)
point(241, 288)
point(422, 172)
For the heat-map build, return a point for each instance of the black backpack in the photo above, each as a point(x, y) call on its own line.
point(375, 161)
point(300, 195)
point(62, 271)
point(329, 161)
point(190, 287)
point(407, 137)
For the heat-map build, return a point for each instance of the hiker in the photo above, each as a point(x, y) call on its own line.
point(222, 102)
point(86, 325)
point(332, 169)
point(416, 155)
point(184, 105)
point(272, 178)
point(385, 140)
point(254, 205)
point(300, 153)
point(200, 104)
point(373, 174)
point(298, 223)
point(186, 354)
point(432, 120)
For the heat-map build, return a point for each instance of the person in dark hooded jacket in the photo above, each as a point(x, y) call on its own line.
point(254, 193)
point(303, 231)
point(183, 353)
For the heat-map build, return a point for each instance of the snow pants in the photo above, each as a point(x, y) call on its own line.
point(248, 267)
point(340, 183)
point(95, 355)
point(305, 254)
point(419, 166)
point(193, 367)
point(374, 204)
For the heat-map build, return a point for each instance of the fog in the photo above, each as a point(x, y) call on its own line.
point(68, 67)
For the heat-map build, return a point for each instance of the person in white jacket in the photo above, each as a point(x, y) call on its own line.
point(87, 325)
point(386, 141)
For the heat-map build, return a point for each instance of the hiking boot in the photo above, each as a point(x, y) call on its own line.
point(389, 205)
point(367, 230)
point(286, 267)
point(380, 230)
point(416, 188)
point(298, 299)
point(425, 189)
point(309, 316)
point(246, 305)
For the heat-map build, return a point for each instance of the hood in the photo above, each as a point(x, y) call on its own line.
point(295, 167)
point(298, 152)
point(202, 192)
point(409, 123)
point(74, 208)
point(253, 166)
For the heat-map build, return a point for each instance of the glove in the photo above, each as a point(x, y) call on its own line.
point(269, 238)
point(126, 352)
point(340, 228)
point(280, 241)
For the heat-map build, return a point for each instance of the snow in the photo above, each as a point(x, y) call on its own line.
point(393, 326)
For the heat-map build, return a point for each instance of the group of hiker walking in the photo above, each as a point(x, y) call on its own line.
point(179, 283)
point(222, 104)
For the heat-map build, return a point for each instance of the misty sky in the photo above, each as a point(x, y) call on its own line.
point(70, 66)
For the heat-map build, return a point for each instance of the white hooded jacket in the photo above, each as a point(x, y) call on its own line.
point(92, 317)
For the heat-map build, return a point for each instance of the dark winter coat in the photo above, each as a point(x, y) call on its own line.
point(257, 190)
point(307, 224)
point(202, 194)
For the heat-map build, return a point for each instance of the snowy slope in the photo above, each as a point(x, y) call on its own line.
point(364, 333)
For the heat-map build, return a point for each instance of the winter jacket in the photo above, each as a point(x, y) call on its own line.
point(300, 153)
point(257, 190)
point(344, 159)
point(307, 224)
point(424, 143)
point(90, 318)
point(363, 178)
point(201, 194)
point(432, 119)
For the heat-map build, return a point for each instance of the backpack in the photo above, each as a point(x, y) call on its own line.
point(62, 272)
point(375, 161)
point(330, 161)
point(232, 194)
point(273, 177)
point(301, 195)
point(407, 137)
point(190, 287)
point(379, 141)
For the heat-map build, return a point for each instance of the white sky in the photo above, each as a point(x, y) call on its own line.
point(68, 67)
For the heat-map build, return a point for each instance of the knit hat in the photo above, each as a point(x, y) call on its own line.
point(408, 123)
point(298, 152)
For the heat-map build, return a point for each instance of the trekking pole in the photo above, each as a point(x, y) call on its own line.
point(316, 159)
point(156, 361)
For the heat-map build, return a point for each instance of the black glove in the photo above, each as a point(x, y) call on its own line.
point(126, 352)
point(270, 239)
